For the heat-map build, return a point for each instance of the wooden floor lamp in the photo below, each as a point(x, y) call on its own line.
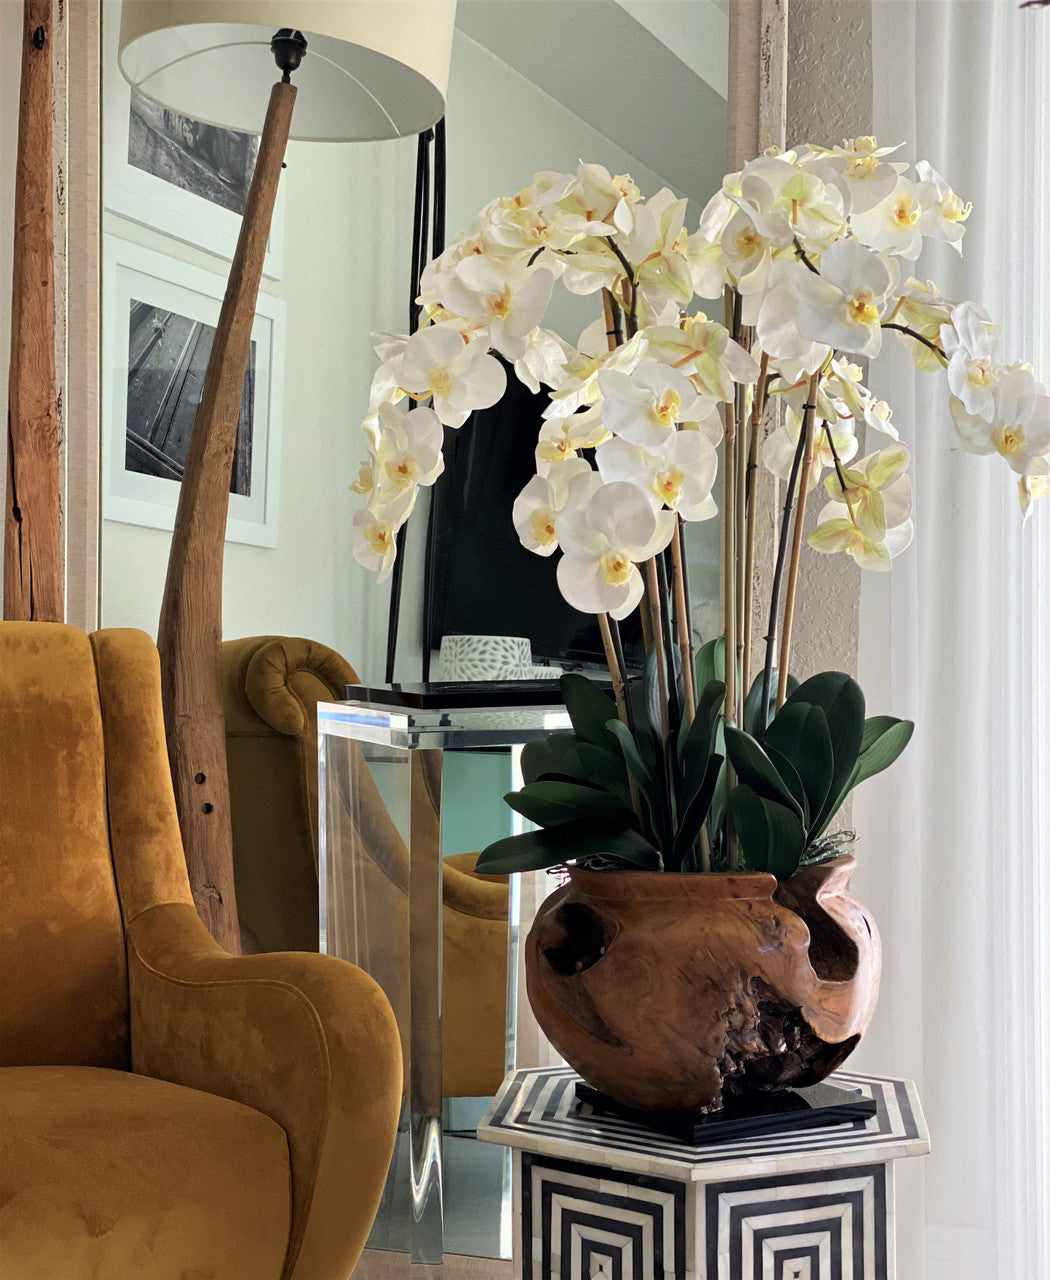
point(364, 70)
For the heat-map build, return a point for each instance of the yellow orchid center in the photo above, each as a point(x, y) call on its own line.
point(379, 538)
point(627, 187)
point(861, 166)
point(746, 241)
point(402, 471)
point(979, 373)
point(542, 523)
point(862, 308)
point(953, 209)
point(1010, 441)
point(904, 212)
point(499, 304)
point(556, 450)
point(668, 485)
point(440, 381)
point(616, 568)
point(365, 481)
point(666, 408)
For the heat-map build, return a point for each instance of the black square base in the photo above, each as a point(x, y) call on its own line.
point(753, 1115)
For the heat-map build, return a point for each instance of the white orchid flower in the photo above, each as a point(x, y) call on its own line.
point(857, 168)
point(781, 445)
point(545, 361)
point(580, 387)
point(843, 384)
point(503, 295)
point(605, 530)
point(972, 352)
point(953, 212)
point(1020, 426)
point(898, 223)
point(406, 453)
point(704, 350)
point(785, 202)
point(461, 376)
point(877, 491)
point(646, 405)
point(537, 507)
point(835, 531)
point(679, 476)
point(704, 260)
point(375, 536)
point(921, 307)
point(1031, 488)
point(776, 324)
point(561, 439)
point(842, 306)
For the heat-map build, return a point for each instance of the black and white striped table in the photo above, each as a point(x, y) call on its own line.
point(600, 1198)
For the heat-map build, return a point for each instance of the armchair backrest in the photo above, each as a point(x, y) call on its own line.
point(89, 836)
point(64, 996)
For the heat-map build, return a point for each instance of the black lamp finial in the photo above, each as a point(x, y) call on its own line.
point(288, 48)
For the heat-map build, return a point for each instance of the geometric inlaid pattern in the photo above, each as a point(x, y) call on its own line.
point(803, 1226)
point(537, 1110)
point(579, 1222)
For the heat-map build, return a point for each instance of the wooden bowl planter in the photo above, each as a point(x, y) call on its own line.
point(666, 991)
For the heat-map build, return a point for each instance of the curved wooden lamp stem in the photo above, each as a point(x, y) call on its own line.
point(33, 522)
point(190, 633)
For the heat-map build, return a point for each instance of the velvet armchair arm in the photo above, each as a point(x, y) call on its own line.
point(308, 1040)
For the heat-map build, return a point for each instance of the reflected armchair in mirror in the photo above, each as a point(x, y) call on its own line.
point(272, 685)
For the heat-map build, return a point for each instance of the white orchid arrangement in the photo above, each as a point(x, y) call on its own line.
point(807, 252)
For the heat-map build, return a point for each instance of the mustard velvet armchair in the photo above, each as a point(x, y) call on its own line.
point(272, 686)
point(167, 1111)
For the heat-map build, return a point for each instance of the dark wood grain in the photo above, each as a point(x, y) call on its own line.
point(33, 520)
point(190, 633)
point(666, 991)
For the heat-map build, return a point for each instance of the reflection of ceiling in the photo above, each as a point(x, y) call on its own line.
point(649, 74)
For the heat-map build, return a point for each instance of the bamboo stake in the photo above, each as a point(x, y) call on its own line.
point(796, 545)
point(758, 409)
point(682, 616)
point(740, 538)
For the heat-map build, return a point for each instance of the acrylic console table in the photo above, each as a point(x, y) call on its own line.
point(599, 1198)
point(380, 790)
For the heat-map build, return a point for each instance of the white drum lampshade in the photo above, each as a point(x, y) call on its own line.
point(373, 69)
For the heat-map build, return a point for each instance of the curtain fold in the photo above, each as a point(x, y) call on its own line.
point(955, 840)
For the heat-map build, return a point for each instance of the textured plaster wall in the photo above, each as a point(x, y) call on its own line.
point(829, 97)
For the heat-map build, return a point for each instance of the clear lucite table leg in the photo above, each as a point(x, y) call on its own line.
point(424, 952)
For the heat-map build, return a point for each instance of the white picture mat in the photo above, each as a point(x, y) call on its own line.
point(131, 272)
point(144, 198)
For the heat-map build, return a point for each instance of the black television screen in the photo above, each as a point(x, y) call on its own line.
point(482, 581)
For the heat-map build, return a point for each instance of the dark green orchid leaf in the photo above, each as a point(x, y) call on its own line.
point(884, 749)
point(557, 753)
point(589, 708)
point(799, 733)
point(699, 738)
point(792, 779)
point(710, 662)
point(753, 702)
point(572, 841)
point(771, 837)
point(551, 803)
point(841, 699)
point(755, 768)
point(697, 810)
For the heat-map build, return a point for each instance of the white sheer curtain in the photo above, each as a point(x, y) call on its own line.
point(955, 840)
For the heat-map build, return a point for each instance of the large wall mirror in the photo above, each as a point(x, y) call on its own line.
point(638, 86)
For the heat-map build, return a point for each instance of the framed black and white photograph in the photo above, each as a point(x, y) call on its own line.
point(180, 176)
point(160, 325)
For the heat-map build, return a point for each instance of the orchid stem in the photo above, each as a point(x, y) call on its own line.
point(782, 545)
point(685, 647)
point(796, 546)
point(729, 583)
point(613, 656)
point(758, 409)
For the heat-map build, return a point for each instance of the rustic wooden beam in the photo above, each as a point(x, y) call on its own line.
point(33, 520)
point(190, 633)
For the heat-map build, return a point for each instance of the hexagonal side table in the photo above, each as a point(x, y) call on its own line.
point(601, 1198)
